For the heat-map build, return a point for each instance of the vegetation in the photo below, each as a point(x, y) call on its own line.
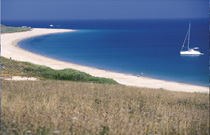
point(16, 68)
point(65, 107)
point(5, 29)
point(51, 106)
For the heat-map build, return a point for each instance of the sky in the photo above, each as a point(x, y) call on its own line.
point(102, 9)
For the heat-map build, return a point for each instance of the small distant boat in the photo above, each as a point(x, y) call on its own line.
point(51, 25)
point(190, 51)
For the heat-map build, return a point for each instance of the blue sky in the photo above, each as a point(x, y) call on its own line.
point(102, 9)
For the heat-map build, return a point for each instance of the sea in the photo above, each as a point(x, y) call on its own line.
point(127, 46)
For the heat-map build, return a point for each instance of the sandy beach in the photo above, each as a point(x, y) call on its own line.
point(9, 49)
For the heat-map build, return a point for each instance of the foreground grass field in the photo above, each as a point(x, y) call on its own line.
point(16, 68)
point(64, 107)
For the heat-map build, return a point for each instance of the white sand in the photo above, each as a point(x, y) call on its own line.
point(9, 49)
point(20, 78)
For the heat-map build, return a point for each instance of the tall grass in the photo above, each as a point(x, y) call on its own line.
point(63, 107)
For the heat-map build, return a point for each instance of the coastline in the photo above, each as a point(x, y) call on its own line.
point(9, 49)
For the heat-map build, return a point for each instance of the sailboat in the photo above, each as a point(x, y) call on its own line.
point(190, 51)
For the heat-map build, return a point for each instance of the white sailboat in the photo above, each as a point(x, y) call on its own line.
point(190, 51)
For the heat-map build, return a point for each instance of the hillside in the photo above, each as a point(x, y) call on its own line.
point(16, 68)
point(5, 29)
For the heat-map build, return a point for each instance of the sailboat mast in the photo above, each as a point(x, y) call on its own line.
point(189, 37)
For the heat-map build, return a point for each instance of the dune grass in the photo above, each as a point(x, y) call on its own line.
point(6, 29)
point(17, 68)
point(76, 108)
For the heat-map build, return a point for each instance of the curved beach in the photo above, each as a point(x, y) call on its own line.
point(9, 49)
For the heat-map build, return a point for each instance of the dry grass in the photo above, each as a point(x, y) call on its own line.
point(62, 107)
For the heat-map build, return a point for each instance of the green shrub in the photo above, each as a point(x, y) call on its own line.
point(5, 29)
point(29, 69)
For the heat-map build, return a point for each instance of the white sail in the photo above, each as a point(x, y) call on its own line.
point(189, 37)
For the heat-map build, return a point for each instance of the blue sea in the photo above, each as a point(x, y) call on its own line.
point(127, 46)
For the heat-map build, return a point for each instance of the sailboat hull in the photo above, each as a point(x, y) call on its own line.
point(190, 53)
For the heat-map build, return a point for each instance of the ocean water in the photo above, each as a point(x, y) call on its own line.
point(128, 46)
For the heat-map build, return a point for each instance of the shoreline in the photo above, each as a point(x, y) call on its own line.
point(9, 48)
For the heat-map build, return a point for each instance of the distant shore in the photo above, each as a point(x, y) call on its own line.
point(9, 49)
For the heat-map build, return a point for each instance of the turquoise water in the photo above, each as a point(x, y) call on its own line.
point(131, 47)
